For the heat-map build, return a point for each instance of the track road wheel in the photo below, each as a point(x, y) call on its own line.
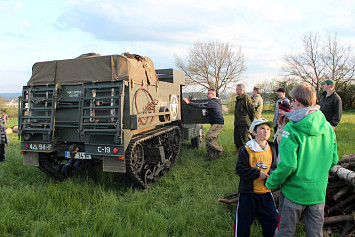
point(176, 141)
point(197, 142)
point(148, 177)
point(174, 147)
point(137, 158)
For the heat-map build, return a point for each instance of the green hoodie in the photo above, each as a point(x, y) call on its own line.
point(308, 150)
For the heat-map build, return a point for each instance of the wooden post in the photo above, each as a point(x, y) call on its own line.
point(341, 218)
point(345, 174)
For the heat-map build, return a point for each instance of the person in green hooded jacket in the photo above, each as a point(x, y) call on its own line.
point(308, 150)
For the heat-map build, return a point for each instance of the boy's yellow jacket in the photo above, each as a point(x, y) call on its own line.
point(249, 165)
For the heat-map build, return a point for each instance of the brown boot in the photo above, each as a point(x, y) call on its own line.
point(210, 154)
point(219, 153)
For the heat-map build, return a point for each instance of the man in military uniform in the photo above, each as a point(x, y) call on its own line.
point(244, 114)
point(257, 102)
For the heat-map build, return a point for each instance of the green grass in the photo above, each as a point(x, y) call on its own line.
point(182, 203)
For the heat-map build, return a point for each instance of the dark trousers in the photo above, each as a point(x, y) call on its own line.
point(254, 205)
point(2, 152)
point(241, 135)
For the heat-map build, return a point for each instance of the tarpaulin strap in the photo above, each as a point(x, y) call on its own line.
point(145, 66)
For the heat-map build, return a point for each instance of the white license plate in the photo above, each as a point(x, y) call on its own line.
point(78, 155)
point(40, 146)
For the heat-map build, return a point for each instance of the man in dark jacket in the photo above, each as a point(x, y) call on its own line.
point(244, 115)
point(215, 116)
point(330, 103)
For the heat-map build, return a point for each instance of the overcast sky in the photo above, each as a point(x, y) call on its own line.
point(38, 30)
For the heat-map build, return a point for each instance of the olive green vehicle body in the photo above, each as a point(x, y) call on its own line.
point(113, 110)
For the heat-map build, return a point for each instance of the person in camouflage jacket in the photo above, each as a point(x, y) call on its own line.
point(257, 102)
point(244, 115)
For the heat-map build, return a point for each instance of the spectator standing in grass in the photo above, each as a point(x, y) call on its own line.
point(244, 115)
point(214, 108)
point(284, 107)
point(308, 150)
point(4, 140)
point(5, 118)
point(256, 160)
point(281, 93)
point(257, 102)
point(330, 103)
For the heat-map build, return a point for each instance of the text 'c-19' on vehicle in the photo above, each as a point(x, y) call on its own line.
point(114, 110)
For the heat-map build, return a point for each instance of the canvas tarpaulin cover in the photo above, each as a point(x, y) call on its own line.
point(128, 67)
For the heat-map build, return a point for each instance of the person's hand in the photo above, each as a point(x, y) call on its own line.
point(186, 100)
point(282, 112)
point(263, 175)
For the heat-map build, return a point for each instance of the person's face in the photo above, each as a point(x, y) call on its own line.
point(239, 90)
point(210, 94)
point(326, 87)
point(262, 132)
point(281, 94)
point(295, 104)
point(254, 93)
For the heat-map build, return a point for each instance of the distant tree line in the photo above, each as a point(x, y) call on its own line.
point(219, 66)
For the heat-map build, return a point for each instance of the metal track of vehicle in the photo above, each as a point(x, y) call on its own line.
point(168, 134)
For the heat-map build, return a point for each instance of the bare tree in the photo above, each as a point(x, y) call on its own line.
point(308, 65)
point(338, 61)
point(213, 64)
point(320, 59)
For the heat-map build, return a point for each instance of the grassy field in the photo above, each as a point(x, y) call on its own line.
point(182, 203)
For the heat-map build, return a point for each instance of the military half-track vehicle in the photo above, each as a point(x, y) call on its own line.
point(114, 110)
